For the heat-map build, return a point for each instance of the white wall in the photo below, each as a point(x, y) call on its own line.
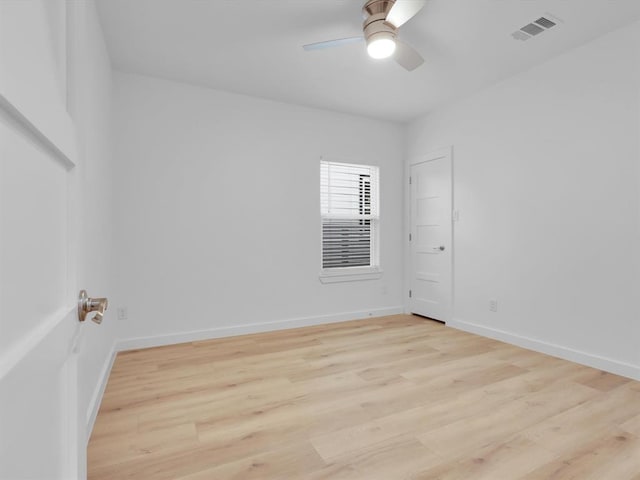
point(547, 186)
point(90, 104)
point(218, 221)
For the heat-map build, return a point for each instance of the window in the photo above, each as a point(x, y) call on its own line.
point(349, 212)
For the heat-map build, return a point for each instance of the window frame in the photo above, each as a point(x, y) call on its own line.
point(373, 270)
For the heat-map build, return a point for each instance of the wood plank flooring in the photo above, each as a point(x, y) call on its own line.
point(390, 398)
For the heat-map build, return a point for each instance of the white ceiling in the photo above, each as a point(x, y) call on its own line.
point(253, 47)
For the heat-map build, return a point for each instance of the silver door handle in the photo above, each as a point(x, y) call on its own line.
point(87, 305)
point(441, 248)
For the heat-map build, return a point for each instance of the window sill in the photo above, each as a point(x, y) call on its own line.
point(350, 274)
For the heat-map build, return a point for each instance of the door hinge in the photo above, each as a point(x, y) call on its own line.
point(409, 180)
point(409, 237)
point(409, 293)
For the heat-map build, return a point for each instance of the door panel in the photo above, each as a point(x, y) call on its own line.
point(37, 418)
point(33, 222)
point(32, 76)
point(431, 236)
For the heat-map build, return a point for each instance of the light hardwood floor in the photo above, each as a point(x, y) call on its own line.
point(397, 397)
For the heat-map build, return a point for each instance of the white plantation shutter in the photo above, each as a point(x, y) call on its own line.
point(349, 210)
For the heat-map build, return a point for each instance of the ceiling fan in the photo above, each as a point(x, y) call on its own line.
point(383, 18)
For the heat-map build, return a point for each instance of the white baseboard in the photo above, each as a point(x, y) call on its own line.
point(231, 331)
point(98, 393)
point(584, 358)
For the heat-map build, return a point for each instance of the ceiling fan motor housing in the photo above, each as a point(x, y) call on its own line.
point(375, 24)
point(374, 7)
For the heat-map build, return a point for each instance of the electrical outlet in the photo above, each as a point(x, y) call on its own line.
point(122, 313)
point(493, 305)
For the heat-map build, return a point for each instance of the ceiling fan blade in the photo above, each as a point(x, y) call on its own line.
point(403, 10)
point(407, 56)
point(332, 43)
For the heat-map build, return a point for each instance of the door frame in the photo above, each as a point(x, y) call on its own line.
point(446, 152)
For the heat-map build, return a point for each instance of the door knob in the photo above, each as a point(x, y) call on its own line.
point(441, 248)
point(87, 305)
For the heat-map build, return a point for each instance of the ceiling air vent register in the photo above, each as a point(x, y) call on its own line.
point(534, 28)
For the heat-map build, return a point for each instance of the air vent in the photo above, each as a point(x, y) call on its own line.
point(518, 35)
point(534, 28)
point(545, 22)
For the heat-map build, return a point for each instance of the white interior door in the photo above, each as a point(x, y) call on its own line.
point(38, 320)
point(431, 236)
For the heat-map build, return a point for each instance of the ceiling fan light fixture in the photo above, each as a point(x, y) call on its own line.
point(381, 46)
